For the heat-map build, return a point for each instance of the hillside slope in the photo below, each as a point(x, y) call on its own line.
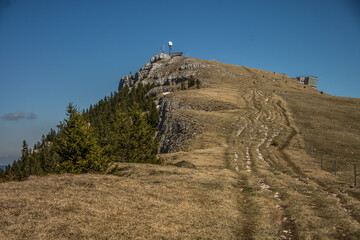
point(237, 165)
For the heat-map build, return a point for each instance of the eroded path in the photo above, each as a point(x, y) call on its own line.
point(280, 199)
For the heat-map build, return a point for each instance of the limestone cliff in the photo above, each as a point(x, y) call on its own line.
point(163, 70)
point(166, 73)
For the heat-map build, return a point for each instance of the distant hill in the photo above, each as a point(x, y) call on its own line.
point(246, 154)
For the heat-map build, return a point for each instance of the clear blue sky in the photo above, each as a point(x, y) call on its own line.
point(60, 51)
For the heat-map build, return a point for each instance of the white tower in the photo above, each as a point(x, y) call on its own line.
point(170, 46)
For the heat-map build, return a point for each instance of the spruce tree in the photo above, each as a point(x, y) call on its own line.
point(23, 163)
point(153, 116)
point(182, 87)
point(34, 165)
point(15, 172)
point(198, 83)
point(9, 175)
point(48, 158)
point(191, 81)
point(133, 138)
point(77, 145)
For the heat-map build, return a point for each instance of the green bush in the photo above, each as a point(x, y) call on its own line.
point(191, 81)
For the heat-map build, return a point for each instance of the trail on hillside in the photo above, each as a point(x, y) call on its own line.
point(279, 199)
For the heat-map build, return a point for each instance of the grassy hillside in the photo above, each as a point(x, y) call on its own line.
point(149, 201)
point(331, 126)
point(248, 172)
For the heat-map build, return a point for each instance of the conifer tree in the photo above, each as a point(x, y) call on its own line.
point(133, 138)
point(198, 83)
point(48, 158)
point(77, 145)
point(34, 165)
point(191, 81)
point(24, 164)
point(182, 87)
point(9, 175)
point(14, 171)
point(122, 129)
point(153, 116)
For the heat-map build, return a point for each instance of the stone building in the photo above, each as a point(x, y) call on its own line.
point(308, 80)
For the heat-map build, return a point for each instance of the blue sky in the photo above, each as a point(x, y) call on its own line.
point(60, 51)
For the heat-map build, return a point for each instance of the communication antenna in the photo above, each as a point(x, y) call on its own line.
point(170, 46)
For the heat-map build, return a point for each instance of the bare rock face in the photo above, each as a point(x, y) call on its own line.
point(158, 90)
point(159, 57)
point(173, 129)
point(161, 70)
point(191, 65)
point(166, 72)
point(155, 62)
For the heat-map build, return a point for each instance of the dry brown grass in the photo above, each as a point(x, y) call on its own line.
point(148, 202)
point(333, 129)
point(242, 187)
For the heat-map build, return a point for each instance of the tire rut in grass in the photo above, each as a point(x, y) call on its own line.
point(257, 132)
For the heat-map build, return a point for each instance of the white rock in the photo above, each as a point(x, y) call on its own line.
point(159, 57)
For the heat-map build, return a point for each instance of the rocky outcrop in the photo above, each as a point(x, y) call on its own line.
point(163, 70)
point(159, 57)
point(145, 71)
point(166, 72)
point(173, 129)
point(192, 65)
point(158, 90)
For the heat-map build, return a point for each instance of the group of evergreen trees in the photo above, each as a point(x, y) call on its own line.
point(118, 128)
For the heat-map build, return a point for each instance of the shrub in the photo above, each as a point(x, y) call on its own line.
point(191, 81)
point(182, 87)
point(198, 83)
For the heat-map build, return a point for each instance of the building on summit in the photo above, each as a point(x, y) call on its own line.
point(308, 80)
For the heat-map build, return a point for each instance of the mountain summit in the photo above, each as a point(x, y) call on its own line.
point(247, 154)
point(163, 70)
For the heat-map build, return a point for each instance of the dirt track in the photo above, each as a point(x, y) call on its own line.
point(283, 193)
point(280, 199)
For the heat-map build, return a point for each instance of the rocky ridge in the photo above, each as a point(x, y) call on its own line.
point(163, 70)
point(166, 72)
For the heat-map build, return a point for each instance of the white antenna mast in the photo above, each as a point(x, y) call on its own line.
point(170, 46)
